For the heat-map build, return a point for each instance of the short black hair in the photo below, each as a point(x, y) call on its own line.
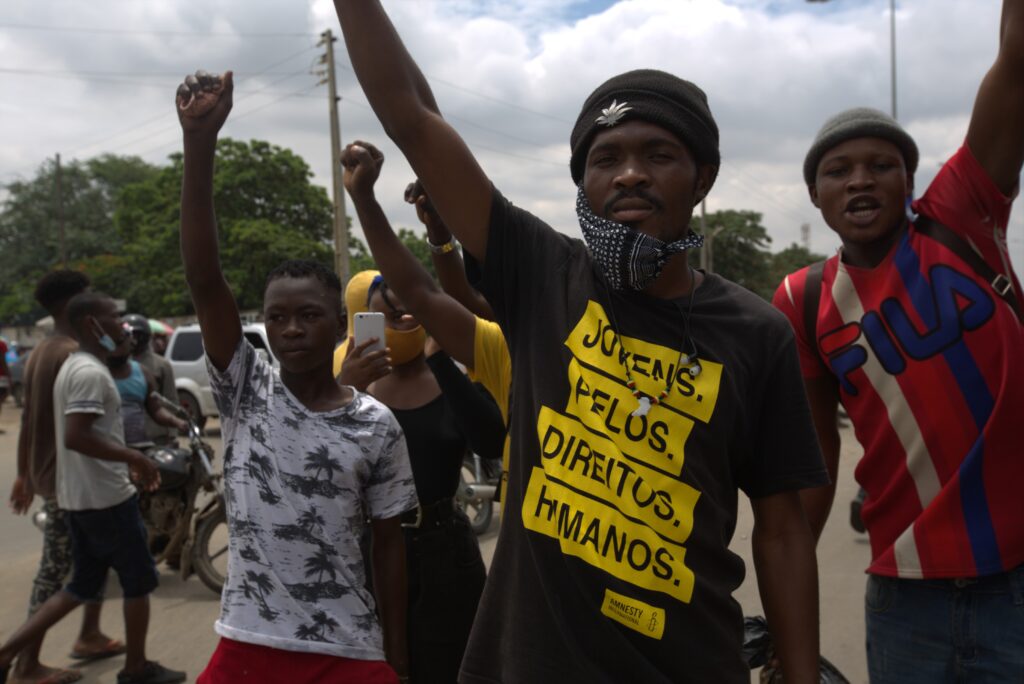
point(86, 304)
point(57, 287)
point(306, 268)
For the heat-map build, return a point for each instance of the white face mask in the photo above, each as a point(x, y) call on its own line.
point(629, 259)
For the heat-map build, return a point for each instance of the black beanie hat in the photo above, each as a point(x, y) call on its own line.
point(668, 101)
point(859, 122)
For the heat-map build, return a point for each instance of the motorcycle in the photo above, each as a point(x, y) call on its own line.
point(185, 530)
point(478, 489)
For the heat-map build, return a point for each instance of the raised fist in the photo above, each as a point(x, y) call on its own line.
point(199, 93)
point(361, 162)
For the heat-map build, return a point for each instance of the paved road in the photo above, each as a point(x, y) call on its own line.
point(181, 631)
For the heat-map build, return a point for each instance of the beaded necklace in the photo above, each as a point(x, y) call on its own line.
point(689, 358)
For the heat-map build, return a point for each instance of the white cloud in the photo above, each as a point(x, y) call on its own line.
point(511, 76)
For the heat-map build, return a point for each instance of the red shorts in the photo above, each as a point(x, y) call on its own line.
point(235, 662)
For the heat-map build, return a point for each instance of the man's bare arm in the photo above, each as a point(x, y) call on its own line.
point(215, 305)
point(79, 436)
point(787, 579)
point(451, 270)
point(390, 585)
point(996, 133)
point(21, 491)
point(450, 323)
point(402, 100)
point(156, 410)
point(823, 397)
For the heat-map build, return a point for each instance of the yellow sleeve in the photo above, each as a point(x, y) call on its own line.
point(493, 370)
point(339, 356)
point(492, 365)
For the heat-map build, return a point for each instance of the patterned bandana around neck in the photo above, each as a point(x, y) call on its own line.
point(629, 259)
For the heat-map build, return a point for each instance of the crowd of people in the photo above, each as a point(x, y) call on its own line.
point(630, 397)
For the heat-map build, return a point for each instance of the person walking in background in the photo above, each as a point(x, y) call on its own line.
point(161, 371)
point(916, 327)
point(37, 467)
point(94, 486)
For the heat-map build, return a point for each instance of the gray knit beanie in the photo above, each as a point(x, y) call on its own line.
point(859, 122)
point(649, 95)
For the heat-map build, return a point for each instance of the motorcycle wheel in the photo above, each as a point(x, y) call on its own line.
point(210, 551)
point(478, 511)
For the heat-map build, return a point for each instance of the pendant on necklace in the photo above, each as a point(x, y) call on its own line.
point(643, 407)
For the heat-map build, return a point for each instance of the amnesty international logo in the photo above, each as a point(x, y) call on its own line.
point(608, 487)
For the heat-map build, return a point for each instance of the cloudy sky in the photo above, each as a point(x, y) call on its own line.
point(83, 79)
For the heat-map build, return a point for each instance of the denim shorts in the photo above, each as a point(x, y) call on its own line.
point(107, 538)
point(949, 630)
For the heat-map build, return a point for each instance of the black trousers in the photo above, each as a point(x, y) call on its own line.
point(446, 577)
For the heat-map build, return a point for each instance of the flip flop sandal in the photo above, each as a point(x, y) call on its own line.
point(112, 648)
point(61, 677)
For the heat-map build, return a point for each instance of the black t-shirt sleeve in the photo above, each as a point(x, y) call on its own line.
point(475, 412)
point(523, 254)
point(785, 454)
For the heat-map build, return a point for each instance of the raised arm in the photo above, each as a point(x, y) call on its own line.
point(450, 323)
point(402, 100)
point(215, 305)
point(996, 133)
point(451, 271)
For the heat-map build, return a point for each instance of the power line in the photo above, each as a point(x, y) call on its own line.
point(164, 114)
point(482, 96)
point(151, 32)
point(481, 146)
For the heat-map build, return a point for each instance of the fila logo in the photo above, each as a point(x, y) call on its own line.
point(954, 305)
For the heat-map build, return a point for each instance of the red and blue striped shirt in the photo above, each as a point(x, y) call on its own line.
point(930, 366)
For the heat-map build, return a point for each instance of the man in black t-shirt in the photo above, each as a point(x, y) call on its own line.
point(645, 396)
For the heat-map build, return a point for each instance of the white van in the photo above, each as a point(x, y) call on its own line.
point(185, 352)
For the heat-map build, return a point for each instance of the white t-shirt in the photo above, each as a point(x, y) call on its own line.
point(299, 488)
point(84, 385)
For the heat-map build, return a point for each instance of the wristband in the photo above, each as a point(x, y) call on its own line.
point(441, 249)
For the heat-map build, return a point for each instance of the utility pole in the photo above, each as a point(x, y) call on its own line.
point(805, 235)
point(892, 53)
point(59, 199)
point(327, 39)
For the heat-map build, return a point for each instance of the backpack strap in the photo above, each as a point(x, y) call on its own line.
point(812, 296)
point(1000, 283)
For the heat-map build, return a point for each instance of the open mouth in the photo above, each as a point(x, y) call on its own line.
point(862, 210)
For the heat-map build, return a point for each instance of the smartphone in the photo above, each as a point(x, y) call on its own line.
point(368, 325)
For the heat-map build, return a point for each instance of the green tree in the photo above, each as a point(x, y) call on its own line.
point(791, 259)
point(360, 258)
point(30, 223)
point(740, 249)
point(267, 211)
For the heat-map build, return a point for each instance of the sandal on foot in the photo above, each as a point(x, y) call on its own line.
point(112, 648)
point(60, 676)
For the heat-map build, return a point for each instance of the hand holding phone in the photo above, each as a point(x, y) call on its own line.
point(369, 325)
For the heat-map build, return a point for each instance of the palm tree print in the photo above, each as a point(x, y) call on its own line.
point(324, 622)
point(308, 633)
point(260, 586)
point(259, 468)
point(319, 460)
point(310, 519)
point(319, 564)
